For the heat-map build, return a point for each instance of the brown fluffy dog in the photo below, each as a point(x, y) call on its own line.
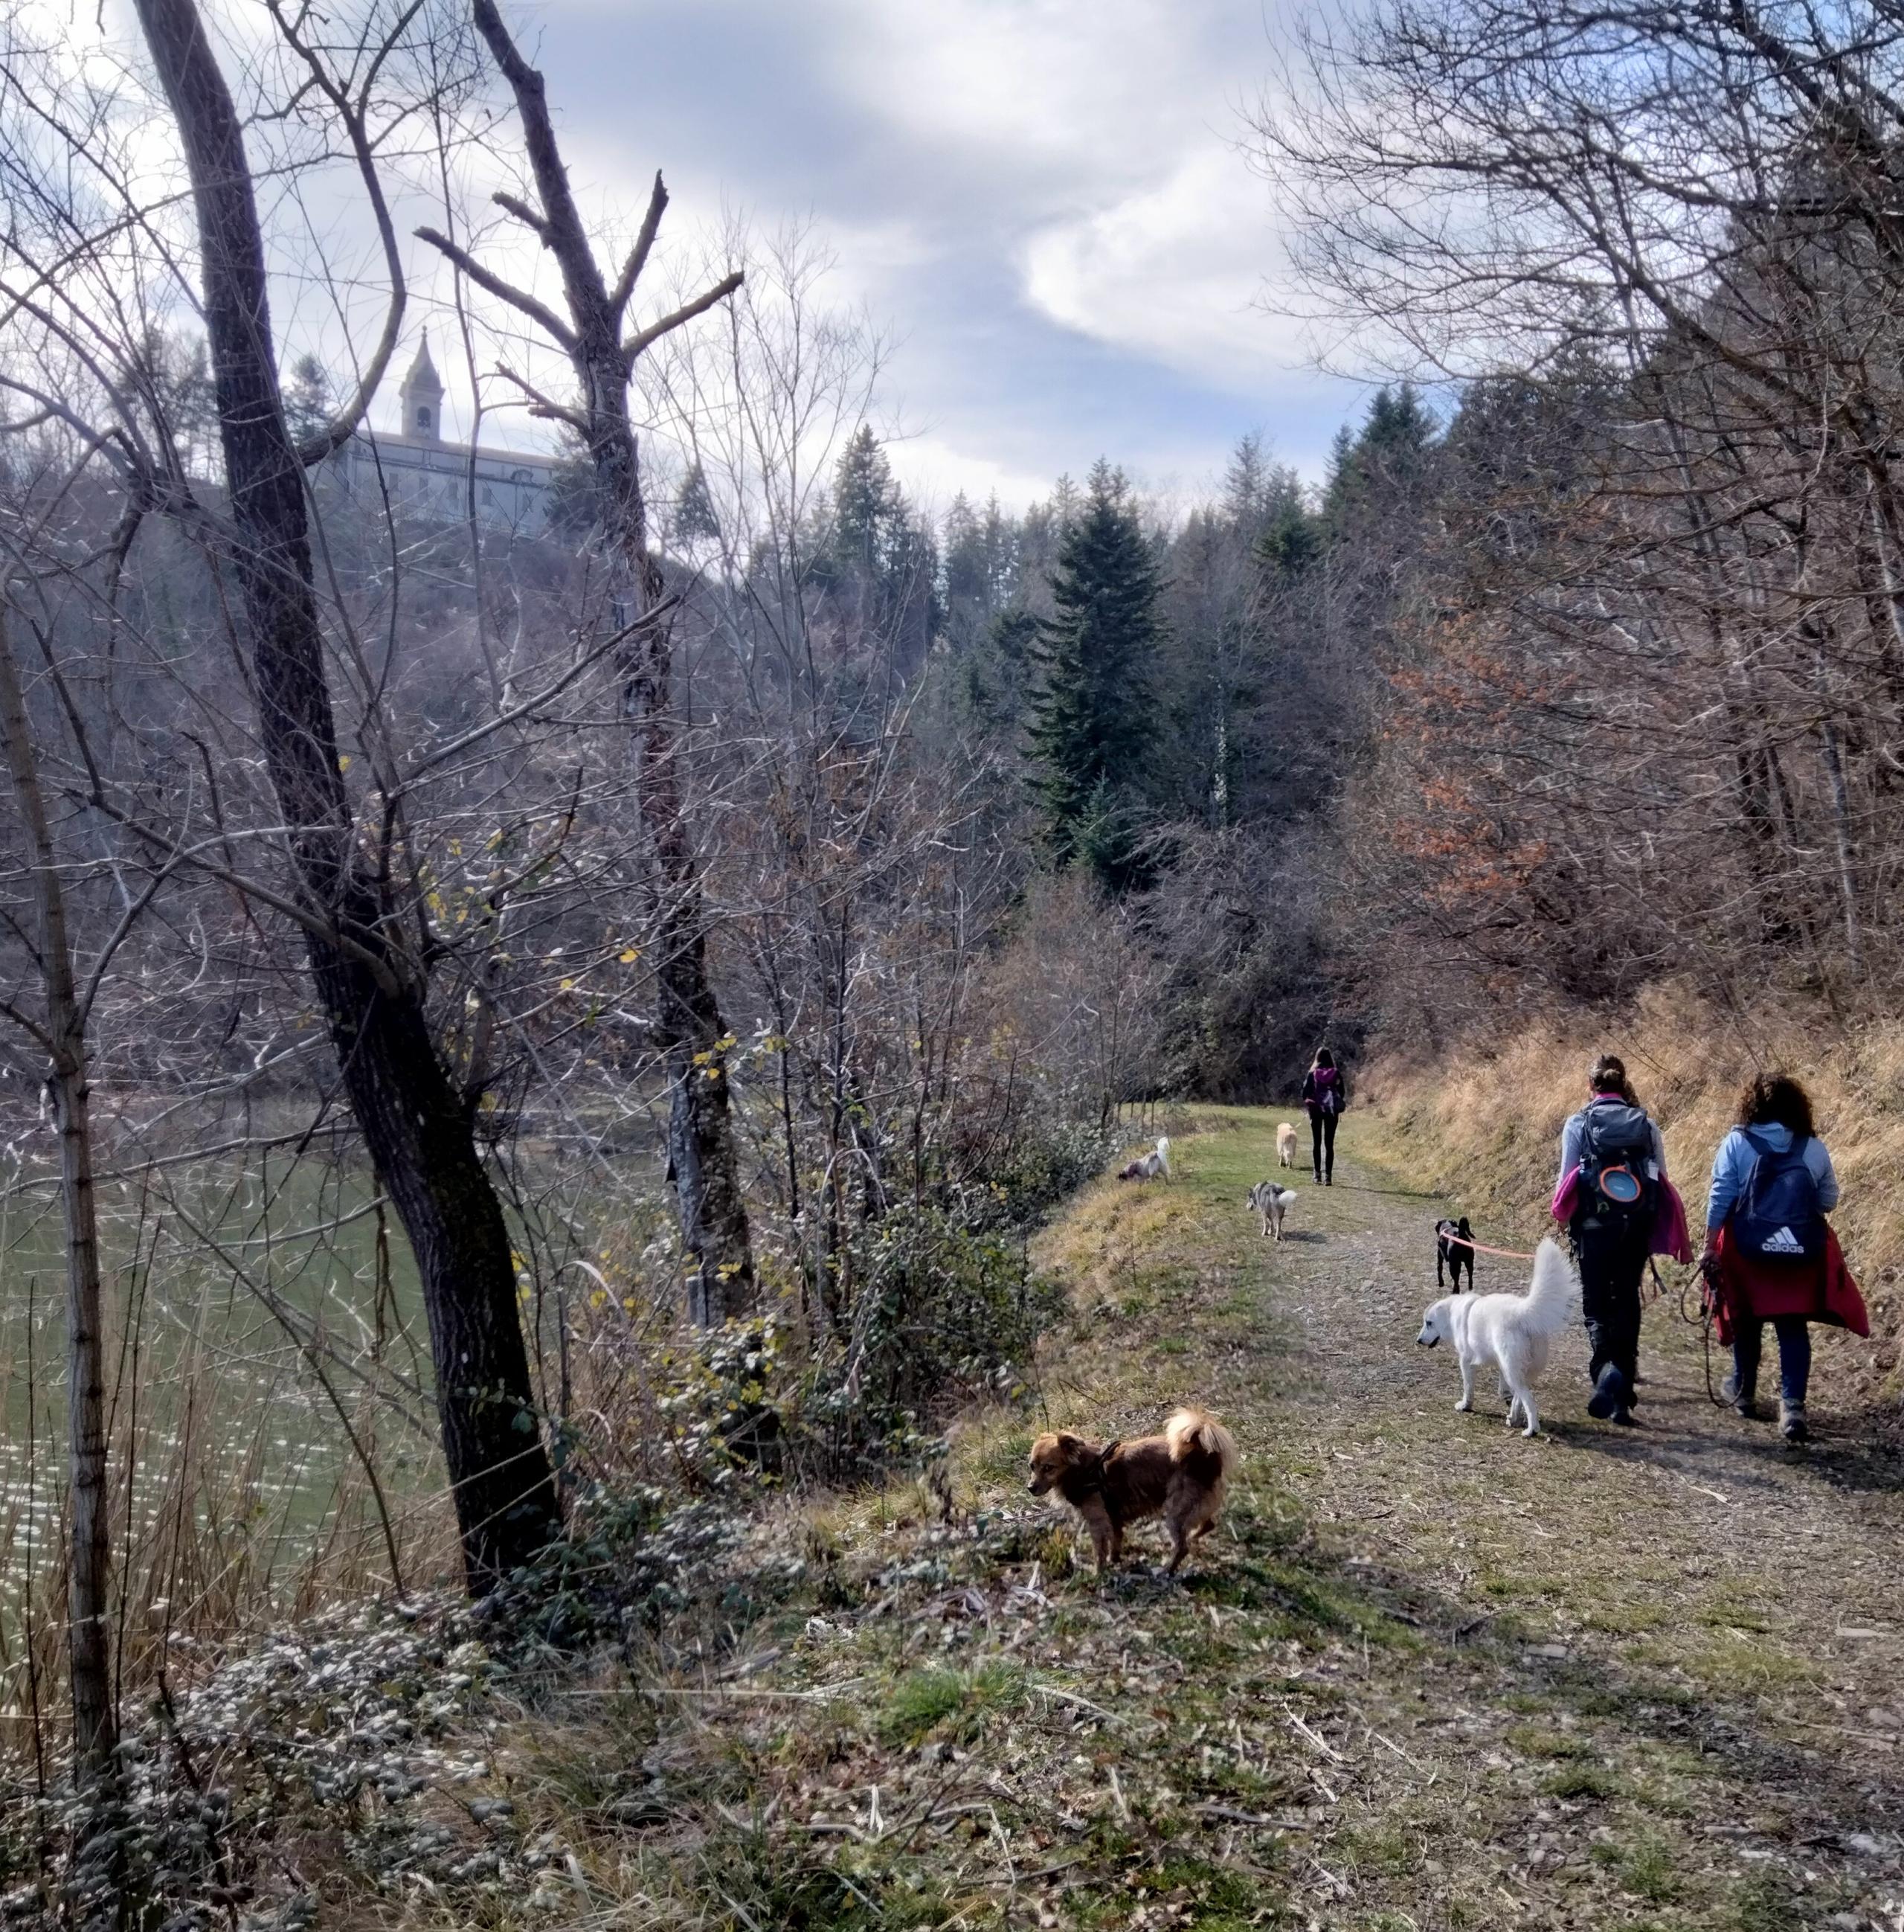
point(1178, 1475)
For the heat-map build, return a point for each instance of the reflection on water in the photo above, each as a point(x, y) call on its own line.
point(251, 1312)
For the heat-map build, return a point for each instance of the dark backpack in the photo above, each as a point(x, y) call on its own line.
point(1618, 1185)
point(1328, 1089)
point(1777, 1217)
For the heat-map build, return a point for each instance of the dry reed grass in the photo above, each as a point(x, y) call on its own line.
point(1485, 1127)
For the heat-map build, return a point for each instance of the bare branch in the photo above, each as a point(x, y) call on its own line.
point(632, 348)
point(644, 244)
point(517, 298)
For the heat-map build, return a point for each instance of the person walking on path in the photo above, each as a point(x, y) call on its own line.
point(1325, 1096)
point(1770, 1255)
point(1619, 1208)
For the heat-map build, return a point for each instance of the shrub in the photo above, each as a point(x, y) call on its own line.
point(940, 1312)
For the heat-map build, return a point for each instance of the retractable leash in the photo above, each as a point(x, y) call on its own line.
point(1703, 1321)
point(1482, 1248)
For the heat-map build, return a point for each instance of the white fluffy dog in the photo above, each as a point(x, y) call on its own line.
point(1511, 1331)
point(1285, 1145)
point(1148, 1166)
point(1271, 1203)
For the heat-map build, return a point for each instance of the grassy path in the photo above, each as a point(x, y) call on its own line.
point(1427, 1674)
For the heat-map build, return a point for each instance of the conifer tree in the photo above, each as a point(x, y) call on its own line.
point(994, 673)
point(694, 518)
point(867, 509)
point(1387, 463)
point(1093, 719)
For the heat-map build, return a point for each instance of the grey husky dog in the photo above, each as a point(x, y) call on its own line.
point(1272, 1202)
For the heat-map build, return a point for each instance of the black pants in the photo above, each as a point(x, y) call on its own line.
point(1612, 1263)
point(1322, 1134)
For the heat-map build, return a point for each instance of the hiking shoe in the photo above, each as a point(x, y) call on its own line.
point(1792, 1422)
point(1626, 1418)
point(1742, 1402)
point(1609, 1396)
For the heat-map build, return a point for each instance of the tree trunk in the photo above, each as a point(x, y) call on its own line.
point(704, 1160)
point(95, 1719)
point(412, 1117)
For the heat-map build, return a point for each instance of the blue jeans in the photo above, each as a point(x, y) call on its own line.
point(1794, 1354)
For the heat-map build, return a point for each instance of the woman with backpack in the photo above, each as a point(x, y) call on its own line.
point(1324, 1095)
point(1619, 1209)
point(1770, 1255)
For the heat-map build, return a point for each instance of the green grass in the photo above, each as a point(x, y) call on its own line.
point(1582, 1780)
point(1647, 1865)
point(938, 1698)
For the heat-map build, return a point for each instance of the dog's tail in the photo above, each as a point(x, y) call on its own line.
point(1553, 1297)
point(1197, 1438)
point(1163, 1154)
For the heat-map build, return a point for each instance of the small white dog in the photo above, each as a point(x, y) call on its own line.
point(1271, 1203)
point(1285, 1145)
point(1511, 1331)
point(1148, 1166)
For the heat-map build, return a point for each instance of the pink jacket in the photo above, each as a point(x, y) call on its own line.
point(1670, 1236)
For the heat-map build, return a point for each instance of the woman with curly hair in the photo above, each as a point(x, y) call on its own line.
point(1769, 1252)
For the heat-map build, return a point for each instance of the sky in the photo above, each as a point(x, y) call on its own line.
point(1045, 200)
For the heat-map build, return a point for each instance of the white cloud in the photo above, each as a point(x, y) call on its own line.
point(933, 471)
point(1045, 91)
point(1041, 199)
point(1174, 271)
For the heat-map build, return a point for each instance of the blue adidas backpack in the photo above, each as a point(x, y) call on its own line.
point(1777, 1217)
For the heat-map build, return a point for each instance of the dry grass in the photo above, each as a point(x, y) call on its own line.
point(1426, 1677)
point(1485, 1129)
point(1382, 1700)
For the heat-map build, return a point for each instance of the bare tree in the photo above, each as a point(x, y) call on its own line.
point(1659, 250)
point(415, 1119)
point(602, 352)
point(60, 1030)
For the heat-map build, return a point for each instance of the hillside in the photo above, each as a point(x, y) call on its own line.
point(1427, 1674)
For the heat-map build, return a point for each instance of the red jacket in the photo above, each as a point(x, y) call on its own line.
point(1751, 1289)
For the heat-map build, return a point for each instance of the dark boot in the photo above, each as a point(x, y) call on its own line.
point(1743, 1400)
point(1609, 1396)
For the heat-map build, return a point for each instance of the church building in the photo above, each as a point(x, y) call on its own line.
point(429, 478)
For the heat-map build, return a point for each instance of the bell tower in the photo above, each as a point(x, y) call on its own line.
point(422, 395)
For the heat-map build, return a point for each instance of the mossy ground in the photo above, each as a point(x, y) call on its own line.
point(1426, 1675)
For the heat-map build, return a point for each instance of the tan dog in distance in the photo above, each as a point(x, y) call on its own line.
point(1179, 1475)
point(1285, 1145)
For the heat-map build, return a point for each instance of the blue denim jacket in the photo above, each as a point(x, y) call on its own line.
point(1731, 1167)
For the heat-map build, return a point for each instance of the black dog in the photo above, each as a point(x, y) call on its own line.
point(1454, 1250)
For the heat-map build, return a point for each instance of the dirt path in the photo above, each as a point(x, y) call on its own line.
point(1429, 1676)
point(1709, 1622)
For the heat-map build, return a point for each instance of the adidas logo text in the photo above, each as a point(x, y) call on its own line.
point(1785, 1242)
